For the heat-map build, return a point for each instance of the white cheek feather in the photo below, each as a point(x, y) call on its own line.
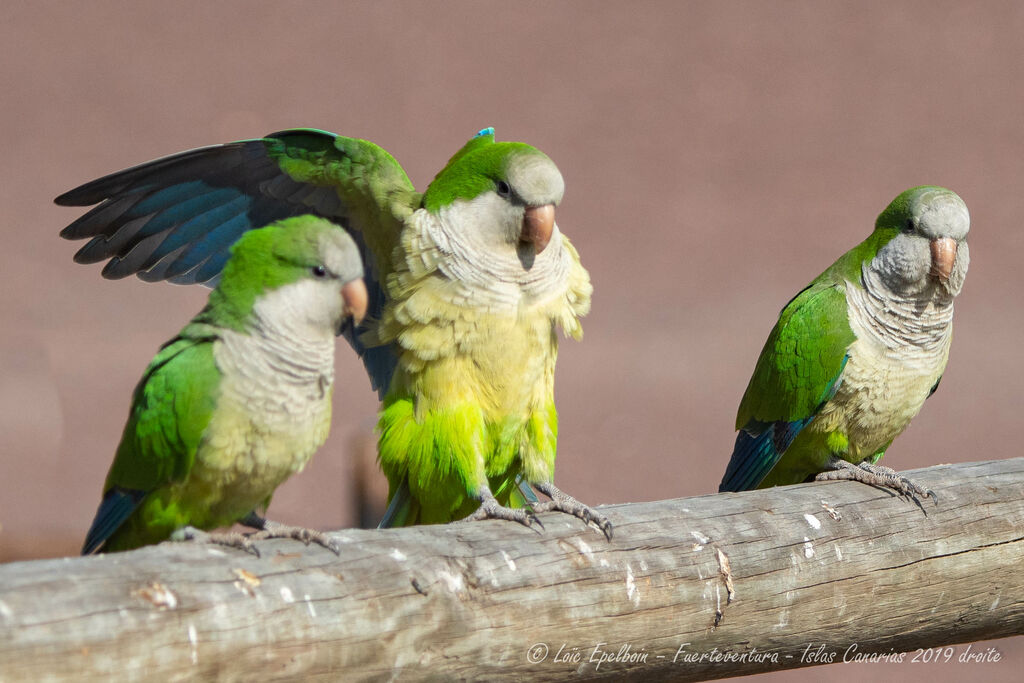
point(483, 264)
point(308, 308)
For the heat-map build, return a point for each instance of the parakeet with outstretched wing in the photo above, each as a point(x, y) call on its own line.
point(468, 285)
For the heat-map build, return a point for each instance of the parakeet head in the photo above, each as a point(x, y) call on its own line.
point(305, 272)
point(504, 191)
point(925, 231)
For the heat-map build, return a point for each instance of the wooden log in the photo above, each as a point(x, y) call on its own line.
point(688, 589)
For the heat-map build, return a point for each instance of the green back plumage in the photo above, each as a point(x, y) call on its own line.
point(801, 359)
point(171, 408)
point(803, 355)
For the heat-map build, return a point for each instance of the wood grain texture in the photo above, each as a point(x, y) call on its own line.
point(688, 589)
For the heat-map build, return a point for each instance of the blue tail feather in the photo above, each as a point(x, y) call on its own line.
point(403, 510)
point(116, 507)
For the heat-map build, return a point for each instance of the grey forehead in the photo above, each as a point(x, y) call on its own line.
point(535, 178)
point(941, 213)
point(340, 254)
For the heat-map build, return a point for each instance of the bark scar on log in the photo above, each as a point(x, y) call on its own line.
point(158, 595)
point(725, 574)
point(832, 512)
point(246, 581)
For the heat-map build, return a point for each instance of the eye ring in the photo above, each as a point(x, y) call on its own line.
point(318, 271)
point(503, 189)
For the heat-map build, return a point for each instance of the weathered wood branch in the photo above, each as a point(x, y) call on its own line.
point(688, 589)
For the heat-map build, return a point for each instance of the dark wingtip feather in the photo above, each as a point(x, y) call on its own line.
point(99, 189)
point(116, 269)
point(94, 191)
point(102, 219)
point(117, 506)
point(85, 194)
point(68, 199)
point(753, 457)
point(401, 509)
point(758, 448)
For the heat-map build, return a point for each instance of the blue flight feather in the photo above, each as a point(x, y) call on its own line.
point(757, 452)
point(760, 445)
point(203, 223)
point(169, 196)
point(177, 215)
point(219, 239)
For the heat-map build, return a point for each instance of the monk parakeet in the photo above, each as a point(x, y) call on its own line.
point(469, 283)
point(240, 399)
point(855, 354)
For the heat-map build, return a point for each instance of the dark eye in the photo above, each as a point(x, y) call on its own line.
point(503, 189)
point(909, 227)
point(318, 271)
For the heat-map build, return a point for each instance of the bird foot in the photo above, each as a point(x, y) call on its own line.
point(491, 509)
point(876, 475)
point(231, 539)
point(268, 529)
point(563, 502)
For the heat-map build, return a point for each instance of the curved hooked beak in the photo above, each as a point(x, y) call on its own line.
point(538, 225)
point(943, 257)
point(356, 299)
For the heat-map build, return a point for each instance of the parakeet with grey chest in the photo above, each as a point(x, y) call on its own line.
point(856, 353)
point(469, 284)
point(240, 399)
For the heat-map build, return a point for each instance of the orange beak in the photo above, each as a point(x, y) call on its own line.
point(356, 299)
point(943, 257)
point(538, 225)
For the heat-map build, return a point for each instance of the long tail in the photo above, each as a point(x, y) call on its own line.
point(403, 510)
point(117, 506)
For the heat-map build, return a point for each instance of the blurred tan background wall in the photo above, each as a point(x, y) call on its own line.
point(717, 157)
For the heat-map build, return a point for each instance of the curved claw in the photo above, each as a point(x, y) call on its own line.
point(490, 509)
point(563, 502)
point(579, 510)
point(269, 529)
point(875, 475)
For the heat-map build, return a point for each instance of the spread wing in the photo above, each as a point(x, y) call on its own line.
point(175, 218)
